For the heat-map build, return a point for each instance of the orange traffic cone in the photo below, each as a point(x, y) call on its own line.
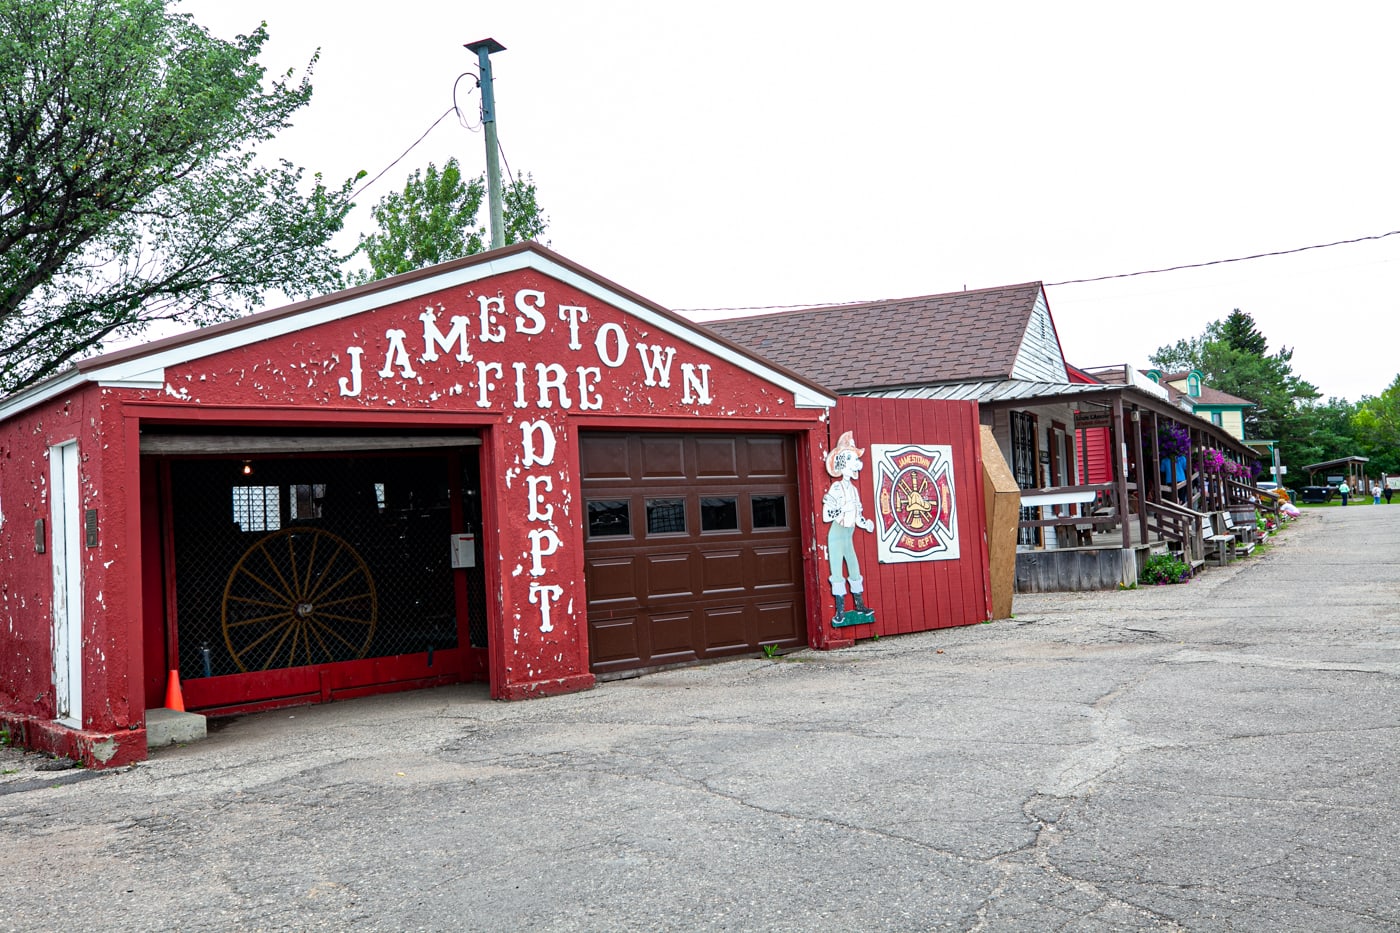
point(174, 699)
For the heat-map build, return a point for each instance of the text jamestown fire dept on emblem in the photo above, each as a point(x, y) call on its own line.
point(916, 502)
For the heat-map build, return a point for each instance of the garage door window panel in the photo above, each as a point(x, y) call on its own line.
point(609, 518)
point(768, 511)
point(719, 513)
point(665, 516)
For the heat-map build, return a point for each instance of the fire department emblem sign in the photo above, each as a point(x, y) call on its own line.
point(916, 501)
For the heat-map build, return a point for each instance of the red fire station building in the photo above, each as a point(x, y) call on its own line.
point(503, 468)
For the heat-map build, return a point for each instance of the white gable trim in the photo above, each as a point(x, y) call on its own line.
point(38, 395)
point(147, 369)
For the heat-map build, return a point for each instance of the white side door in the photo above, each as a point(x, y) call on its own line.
point(66, 502)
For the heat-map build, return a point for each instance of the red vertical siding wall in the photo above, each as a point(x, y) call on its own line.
point(918, 595)
point(1095, 455)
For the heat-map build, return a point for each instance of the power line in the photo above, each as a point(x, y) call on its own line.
point(501, 149)
point(1098, 278)
point(1218, 262)
point(461, 118)
point(356, 193)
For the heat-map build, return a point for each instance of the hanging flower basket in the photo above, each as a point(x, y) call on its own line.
point(1173, 440)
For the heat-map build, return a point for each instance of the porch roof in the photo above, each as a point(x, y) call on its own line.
point(1341, 461)
point(1013, 393)
point(987, 391)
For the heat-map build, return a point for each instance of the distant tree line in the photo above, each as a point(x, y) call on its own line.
point(1232, 356)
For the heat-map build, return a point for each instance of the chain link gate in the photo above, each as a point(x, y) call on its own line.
point(305, 560)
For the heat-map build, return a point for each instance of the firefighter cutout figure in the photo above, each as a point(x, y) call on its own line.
point(841, 507)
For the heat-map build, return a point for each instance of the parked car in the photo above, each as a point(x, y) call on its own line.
point(1276, 489)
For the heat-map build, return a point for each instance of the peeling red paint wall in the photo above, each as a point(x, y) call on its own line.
point(111, 722)
point(523, 359)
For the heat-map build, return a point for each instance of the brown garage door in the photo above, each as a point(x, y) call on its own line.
point(692, 548)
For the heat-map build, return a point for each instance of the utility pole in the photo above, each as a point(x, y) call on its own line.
point(483, 49)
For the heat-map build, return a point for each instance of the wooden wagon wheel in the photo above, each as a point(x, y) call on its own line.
point(299, 596)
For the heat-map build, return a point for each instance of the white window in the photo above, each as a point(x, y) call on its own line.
point(257, 508)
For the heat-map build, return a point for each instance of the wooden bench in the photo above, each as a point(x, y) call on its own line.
point(1218, 547)
point(1244, 533)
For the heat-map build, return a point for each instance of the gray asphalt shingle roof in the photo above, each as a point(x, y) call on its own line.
point(957, 337)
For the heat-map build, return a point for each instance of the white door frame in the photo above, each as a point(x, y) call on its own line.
point(65, 549)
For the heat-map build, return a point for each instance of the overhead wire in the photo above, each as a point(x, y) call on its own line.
point(1219, 262)
point(1098, 278)
point(461, 118)
point(356, 193)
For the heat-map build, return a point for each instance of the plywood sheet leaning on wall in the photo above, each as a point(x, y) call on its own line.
point(1003, 504)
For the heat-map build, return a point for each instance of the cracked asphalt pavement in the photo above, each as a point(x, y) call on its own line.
point(1215, 756)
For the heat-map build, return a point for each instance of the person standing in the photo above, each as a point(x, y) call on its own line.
point(1345, 490)
point(1375, 493)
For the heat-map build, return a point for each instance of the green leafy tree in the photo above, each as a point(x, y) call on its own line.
point(1182, 356)
point(434, 219)
point(521, 209)
point(1377, 426)
point(1321, 432)
point(130, 190)
point(1232, 356)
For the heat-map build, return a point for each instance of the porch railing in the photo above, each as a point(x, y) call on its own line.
point(1096, 505)
point(1093, 504)
point(1177, 523)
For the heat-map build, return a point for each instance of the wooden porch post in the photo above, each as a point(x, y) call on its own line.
point(1144, 482)
point(1157, 495)
point(1120, 469)
point(1201, 496)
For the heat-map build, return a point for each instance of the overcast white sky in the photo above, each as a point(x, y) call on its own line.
point(733, 154)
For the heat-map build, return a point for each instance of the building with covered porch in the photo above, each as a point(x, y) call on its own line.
point(1099, 492)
